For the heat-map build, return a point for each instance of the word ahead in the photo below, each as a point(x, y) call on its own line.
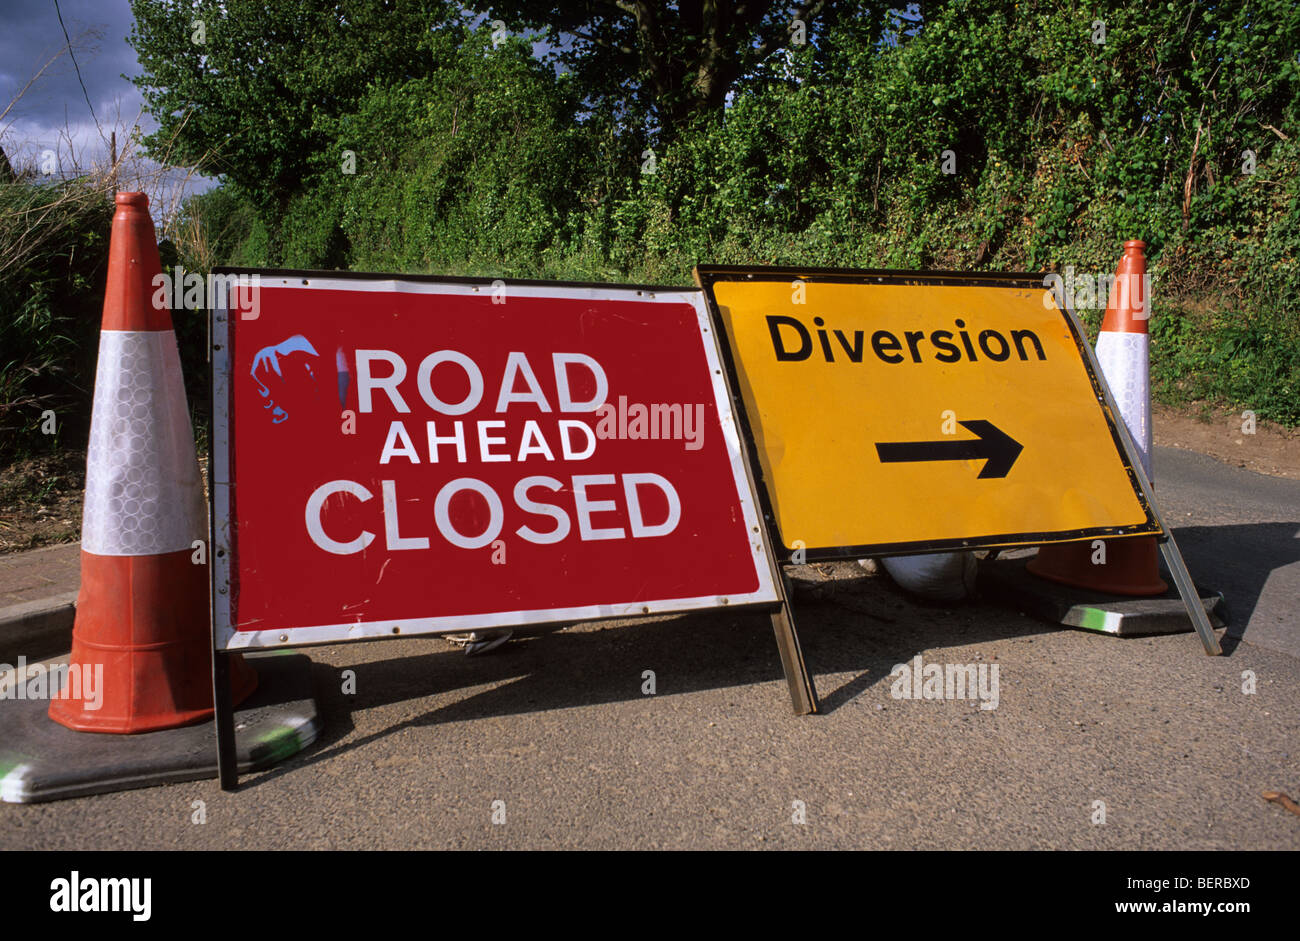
point(422, 455)
point(998, 450)
point(909, 412)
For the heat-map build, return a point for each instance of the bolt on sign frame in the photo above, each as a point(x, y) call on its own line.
point(967, 411)
point(396, 455)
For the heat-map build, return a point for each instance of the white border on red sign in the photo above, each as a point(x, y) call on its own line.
point(228, 638)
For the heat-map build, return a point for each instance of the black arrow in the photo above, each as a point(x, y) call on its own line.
point(998, 449)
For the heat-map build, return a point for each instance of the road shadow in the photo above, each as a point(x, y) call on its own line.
point(1238, 561)
point(862, 625)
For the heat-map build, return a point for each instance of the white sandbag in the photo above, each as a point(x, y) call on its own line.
point(939, 576)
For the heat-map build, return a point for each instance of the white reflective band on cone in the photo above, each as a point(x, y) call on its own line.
point(143, 492)
point(1124, 361)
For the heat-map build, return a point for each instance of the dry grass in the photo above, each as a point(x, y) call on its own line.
point(82, 180)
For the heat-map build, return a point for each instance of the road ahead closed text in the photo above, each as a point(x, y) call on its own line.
point(411, 458)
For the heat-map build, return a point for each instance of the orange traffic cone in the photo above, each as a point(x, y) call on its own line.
point(1123, 566)
point(142, 612)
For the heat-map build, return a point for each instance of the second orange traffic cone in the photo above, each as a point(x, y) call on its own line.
point(1130, 566)
point(142, 613)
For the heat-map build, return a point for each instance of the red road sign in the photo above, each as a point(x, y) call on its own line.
point(405, 456)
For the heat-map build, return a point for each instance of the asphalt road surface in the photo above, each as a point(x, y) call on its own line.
point(1150, 730)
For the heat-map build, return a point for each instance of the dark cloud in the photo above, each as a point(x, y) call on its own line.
point(30, 34)
point(53, 114)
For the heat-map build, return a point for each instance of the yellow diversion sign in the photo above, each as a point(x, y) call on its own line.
point(902, 412)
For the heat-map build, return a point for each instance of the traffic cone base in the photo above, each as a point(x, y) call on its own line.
point(41, 760)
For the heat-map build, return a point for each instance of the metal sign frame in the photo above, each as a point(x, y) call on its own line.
point(771, 594)
point(708, 275)
point(225, 539)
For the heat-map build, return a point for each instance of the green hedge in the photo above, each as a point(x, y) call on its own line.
point(1064, 148)
point(55, 241)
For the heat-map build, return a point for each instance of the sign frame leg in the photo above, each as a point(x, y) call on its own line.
point(803, 692)
point(1191, 598)
point(223, 714)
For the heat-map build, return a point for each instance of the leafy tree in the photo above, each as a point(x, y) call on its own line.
point(668, 63)
point(477, 168)
point(1067, 139)
point(252, 90)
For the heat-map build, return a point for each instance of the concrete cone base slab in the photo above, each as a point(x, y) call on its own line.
point(41, 760)
point(1006, 581)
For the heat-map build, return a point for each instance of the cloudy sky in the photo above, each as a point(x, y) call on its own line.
point(53, 114)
